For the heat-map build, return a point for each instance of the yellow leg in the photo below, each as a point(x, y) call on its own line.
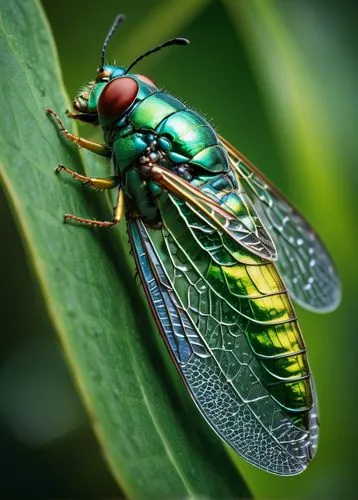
point(93, 182)
point(100, 149)
point(117, 215)
point(118, 210)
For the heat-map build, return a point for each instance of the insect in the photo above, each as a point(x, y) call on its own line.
point(219, 252)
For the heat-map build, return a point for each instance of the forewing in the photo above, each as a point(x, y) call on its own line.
point(208, 341)
point(303, 260)
point(247, 231)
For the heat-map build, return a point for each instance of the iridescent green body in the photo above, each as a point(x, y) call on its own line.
point(206, 229)
point(234, 298)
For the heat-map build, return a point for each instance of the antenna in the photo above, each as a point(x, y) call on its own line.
point(173, 41)
point(114, 26)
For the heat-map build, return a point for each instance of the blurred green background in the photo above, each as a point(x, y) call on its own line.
point(276, 78)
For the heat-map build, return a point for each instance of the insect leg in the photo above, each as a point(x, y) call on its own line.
point(92, 182)
point(100, 149)
point(118, 211)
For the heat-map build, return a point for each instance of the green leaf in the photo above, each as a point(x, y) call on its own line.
point(155, 441)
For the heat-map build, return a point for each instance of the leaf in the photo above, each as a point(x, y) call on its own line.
point(152, 436)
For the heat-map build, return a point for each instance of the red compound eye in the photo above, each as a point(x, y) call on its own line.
point(145, 79)
point(117, 96)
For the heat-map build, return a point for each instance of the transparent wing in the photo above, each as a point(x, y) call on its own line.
point(303, 260)
point(232, 334)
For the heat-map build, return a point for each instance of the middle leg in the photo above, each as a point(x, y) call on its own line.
point(92, 182)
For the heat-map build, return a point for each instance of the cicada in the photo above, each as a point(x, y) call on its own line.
point(220, 253)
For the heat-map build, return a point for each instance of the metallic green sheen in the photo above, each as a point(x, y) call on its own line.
point(188, 132)
point(212, 158)
point(127, 149)
point(177, 158)
point(183, 134)
point(94, 96)
point(164, 144)
point(152, 110)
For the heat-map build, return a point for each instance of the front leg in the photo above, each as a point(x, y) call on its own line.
point(100, 149)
